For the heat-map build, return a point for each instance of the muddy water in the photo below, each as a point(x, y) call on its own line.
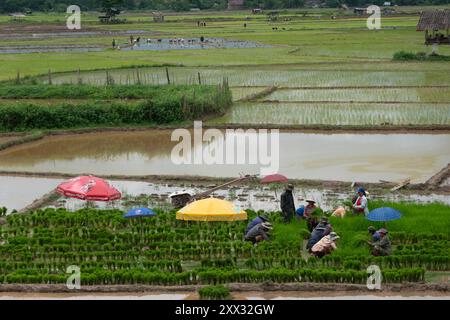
point(345, 157)
point(192, 43)
point(18, 192)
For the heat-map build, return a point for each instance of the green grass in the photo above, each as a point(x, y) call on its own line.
point(304, 40)
point(38, 246)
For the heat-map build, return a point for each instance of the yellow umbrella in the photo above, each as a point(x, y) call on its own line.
point(211, 209)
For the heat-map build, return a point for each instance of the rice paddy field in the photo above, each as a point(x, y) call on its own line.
point(306, 70)
point(337, 114)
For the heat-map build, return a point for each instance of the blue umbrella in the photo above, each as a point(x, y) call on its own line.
point(139, 212)
point(384, 214)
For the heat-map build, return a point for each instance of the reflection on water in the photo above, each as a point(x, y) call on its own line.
point(18, 192)
point(346, 157)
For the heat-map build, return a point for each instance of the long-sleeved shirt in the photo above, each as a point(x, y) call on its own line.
point(287, 202)
point(324, 245)
point(361, 203)
point(376, 236)
point(318, 233)
point(253, 223)
point(256, 231)
point(383, 245)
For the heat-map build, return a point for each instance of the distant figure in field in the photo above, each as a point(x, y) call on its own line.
point(131, 39)
point(287, 204)
point(114, 43)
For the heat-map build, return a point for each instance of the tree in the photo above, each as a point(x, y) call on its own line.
point(111, 7)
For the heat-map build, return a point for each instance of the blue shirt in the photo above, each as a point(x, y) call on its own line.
point(253, 223)
point(376, 236)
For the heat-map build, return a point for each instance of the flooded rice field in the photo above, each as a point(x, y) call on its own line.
point(342, 157)
point(155, 195)
point(288, 76)
point(18, 192)
point(336, 114)
point(361, 95)
point(40, 49)
point(192, 44)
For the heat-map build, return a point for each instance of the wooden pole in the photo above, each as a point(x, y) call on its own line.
point(49, 77)
point(199, 79)
point(167, 75)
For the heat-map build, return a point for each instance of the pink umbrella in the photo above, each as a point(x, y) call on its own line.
point(273, 178)
point(89, 188)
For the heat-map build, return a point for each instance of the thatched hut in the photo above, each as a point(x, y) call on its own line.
point(436, 25)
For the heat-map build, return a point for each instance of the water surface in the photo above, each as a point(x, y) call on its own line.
point(343, 157)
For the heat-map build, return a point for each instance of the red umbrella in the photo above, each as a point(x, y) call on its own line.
point(89, 188)
point(273, 178)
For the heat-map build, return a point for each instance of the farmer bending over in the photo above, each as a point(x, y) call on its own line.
point(259, 219)
point(381, 247)
point(326, 245)
point(322, 229)
point(258, 233)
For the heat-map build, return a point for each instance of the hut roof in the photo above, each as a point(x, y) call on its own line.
point(430, 20)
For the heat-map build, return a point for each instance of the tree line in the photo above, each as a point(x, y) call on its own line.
point(9, 6)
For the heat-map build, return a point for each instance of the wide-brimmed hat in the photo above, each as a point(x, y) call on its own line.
point(267, 225)
point(383, 230)
point(264, 217)
point(333, 236)
point(290, 187)
point(371, 228)
point(310, 200)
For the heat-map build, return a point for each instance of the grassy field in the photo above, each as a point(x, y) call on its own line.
point(161, 250)
point(314, 38)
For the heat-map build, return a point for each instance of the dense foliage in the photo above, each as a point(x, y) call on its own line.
point(38, 247)
point(162, 104)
